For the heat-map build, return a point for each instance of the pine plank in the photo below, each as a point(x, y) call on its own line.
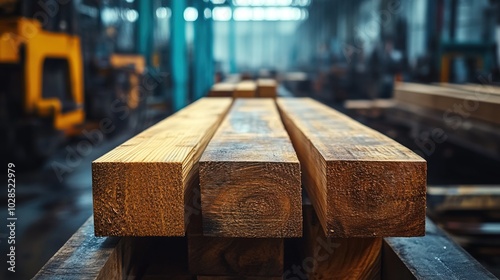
point(141, 187)
point(245, 89)
point(250, 176)
point(455, 104)
point(361, 183)
point(222, 90)
point(267, 88)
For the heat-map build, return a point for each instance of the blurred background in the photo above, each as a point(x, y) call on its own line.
point(78, 78)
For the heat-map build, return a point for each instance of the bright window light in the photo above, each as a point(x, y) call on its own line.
point(222, 13)
point(163, 12)
point(190, 14)
point(265, 2)
point(207, 13)
point(131, 15)
point(269, 14)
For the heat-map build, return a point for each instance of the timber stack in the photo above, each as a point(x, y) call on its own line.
point(226, 177)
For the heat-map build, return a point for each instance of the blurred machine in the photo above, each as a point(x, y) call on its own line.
point(44, 95)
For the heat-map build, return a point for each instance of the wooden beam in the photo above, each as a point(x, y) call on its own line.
point(141, 187)
point(250, 176)
point(235, 256)
point(338, 258)
point(222, 90)
point(433, 256)
point(455, 104)
point(267, 88)
point(245, 89)
point(361, 183)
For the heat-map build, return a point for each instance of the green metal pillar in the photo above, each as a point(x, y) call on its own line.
point(232, 43)
point(178, 54)
point(145, 29)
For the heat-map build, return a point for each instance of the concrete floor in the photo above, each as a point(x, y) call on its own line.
point(50, 210)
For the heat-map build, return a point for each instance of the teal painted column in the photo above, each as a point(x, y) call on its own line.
point(210, 73)
point(199, 48)
point(232, 43)
point(203, 51)
point(178, 54)
point(145, 30)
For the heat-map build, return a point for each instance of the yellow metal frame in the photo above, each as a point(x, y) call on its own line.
point(139, 63)
point(40, 45)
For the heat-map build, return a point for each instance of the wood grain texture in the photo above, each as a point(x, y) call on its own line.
point(222, 90)
point(250, 176)
point(338, 258)
point(434, 256)
point(235, 256)
point(361, 183)
point(267, 88)
point(84, 256)
point(245, 89)
point(481, 104)
point(140, 188)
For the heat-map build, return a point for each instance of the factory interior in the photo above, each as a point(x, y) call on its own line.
point(80, 77)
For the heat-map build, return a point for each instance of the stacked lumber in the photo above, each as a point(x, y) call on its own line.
point(267, 88)
point(222, 90)
point(250, 170)
point(480, 103)
point(245, 88)
point(361, 183)
point(141, 187)
point(226, 177)
point(86, 256)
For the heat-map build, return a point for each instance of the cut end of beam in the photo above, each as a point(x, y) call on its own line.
point(250, 176)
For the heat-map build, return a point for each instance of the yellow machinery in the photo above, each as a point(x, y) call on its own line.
point(23, 41)
point(42, 86)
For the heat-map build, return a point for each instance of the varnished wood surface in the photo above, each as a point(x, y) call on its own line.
point(339, 258)
point(140, 188)
point(250, 176)
point(361, 183)
point(245, 89)
point(267, 88)
point(482, 105)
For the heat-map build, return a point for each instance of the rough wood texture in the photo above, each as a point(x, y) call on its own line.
point(222, 90)
point(267, 88)
point(84, 257)
point(235, 256)
point(434, 256)
point(140, 188)
point(452, 102)
point(250, 176)
point(338, 258)
point(245, 89)
point(361, 183)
